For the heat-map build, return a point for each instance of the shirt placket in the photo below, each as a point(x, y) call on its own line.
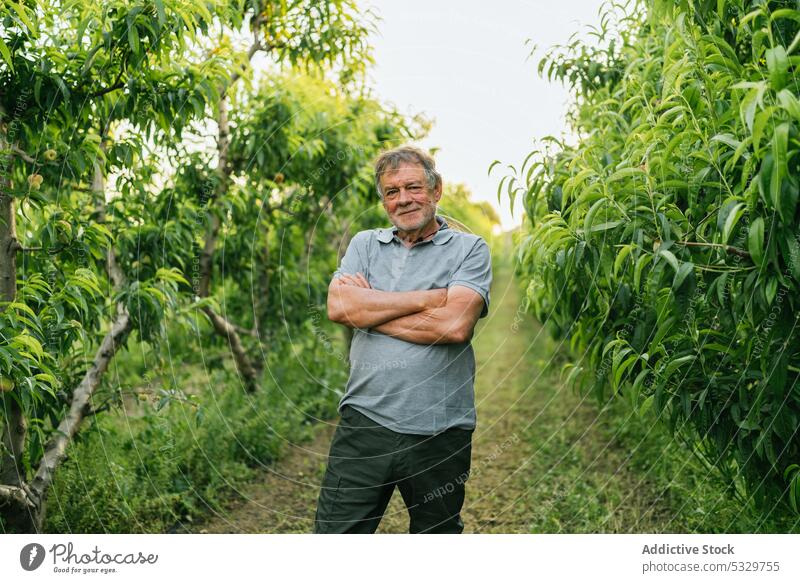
point(401, 254)
point(401, 259)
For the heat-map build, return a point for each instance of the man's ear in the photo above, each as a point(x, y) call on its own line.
point(437, 192)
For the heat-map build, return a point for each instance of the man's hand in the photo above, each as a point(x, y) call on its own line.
point(357, 280)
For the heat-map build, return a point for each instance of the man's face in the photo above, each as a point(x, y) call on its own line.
point(406, 198)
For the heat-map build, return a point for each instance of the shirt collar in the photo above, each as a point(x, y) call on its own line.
point(442, 236)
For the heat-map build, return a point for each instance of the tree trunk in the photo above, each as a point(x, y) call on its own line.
point(222, 325)
point(23, 505)
point(12, 473)
point(243, 365)
point(15, 426)
point(8, 243)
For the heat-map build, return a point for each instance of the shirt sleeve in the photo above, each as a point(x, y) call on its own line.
point(475, 272)
point(355, 258)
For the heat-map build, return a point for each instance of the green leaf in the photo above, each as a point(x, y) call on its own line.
point(573, 374)
point(747, 109)
point(670, 257)
point(625, 173)
point(609, 345)
point(749, 425)
point(23, 16)
point(751, 16)
point(755, 240)
point(716, 347)
point(789, 13)
point(621, 368)
point(760, 124)
point(676, 364)
point(22, 307)
point(29, 342)
point(771, 289)
point(162, 17)
point(793, 247)
point(727, 139)
point(641, 263)
point(790, 103)
point(780, 142)
point(605, 226)
point(61, 86)
point(680, 276)
point(6, 54)
point(730, 221)
point(646, 406)
point(621, 255)
point(133, 37)
point(778, 66)
point(47, 378)
point(663, 329)
point(589, 218)
point(171, 274)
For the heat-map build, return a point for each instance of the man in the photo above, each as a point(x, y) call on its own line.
point(412, 295)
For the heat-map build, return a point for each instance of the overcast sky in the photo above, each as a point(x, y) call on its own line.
point(465, 64)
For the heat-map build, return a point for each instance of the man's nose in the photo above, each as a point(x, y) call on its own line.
point(405, 197)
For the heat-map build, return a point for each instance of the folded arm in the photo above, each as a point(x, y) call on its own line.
point(352, 302)
point(451, 323)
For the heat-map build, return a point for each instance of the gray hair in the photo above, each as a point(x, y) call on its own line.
point(391, 160)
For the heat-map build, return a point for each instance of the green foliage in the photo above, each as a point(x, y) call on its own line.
point(157, 463)
point(663, 244)
point(464, 213)
point(73, 70)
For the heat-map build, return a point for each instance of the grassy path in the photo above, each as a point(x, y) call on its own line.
point(543, 459)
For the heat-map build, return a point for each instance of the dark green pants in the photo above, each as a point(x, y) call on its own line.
point(367, 461)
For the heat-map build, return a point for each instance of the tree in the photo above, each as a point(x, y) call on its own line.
point(70, 72)
point(663, 244)
point(311, 34)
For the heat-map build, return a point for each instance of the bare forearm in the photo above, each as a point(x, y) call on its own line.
point(432, 326)
point(366, 308)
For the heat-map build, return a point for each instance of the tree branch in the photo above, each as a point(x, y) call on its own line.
point(224, 328)
point(57, 446)
point(19, 152)
point(117, 84)
point(17, 496)
point(728, 248)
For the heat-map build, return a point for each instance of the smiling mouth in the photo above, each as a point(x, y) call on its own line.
point(409, 212)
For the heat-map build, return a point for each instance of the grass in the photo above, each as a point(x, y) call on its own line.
point(145, 469)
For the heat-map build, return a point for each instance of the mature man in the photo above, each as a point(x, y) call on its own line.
point(412, 295)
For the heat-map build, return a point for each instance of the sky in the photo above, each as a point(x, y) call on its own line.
point(464, 63)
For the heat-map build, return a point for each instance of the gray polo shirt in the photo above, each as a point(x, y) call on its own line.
point(407, 387)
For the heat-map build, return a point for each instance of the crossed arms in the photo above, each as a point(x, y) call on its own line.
point(435, 316)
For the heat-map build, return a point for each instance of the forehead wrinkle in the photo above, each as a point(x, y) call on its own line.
point(390, 177)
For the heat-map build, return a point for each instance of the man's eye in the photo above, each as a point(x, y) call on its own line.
point(415, 188)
